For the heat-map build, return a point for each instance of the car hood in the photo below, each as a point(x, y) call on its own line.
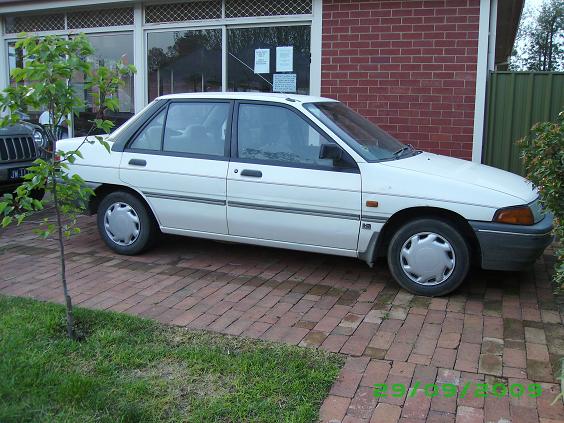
point(470, 173)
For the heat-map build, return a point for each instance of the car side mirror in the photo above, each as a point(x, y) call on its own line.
point(331, 152)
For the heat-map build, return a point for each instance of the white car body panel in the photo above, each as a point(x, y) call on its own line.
point(325, 197)
point(184, 193)
point(472, 191)
point(99, 166)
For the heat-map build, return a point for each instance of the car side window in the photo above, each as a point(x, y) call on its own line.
point(196, 128)
point(274, 133)
point(150, 137)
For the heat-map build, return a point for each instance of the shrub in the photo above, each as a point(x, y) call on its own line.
point(542, 151)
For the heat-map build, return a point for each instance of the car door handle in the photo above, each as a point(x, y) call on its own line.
point(137, 162)
point(251, 173)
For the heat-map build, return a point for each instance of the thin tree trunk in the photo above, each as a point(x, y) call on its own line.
point(68, 301)
point(550, 45)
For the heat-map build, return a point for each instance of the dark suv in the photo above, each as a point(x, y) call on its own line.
point(20, 145)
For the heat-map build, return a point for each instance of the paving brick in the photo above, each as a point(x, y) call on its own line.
point(376, 372)
point(496, 409)
point(535, 335)
point(313, 339)
point(537, 352)
point(362, 404)
point(327, 324)
point(390, 381)
point(185, 318)
point(514, 358)
point(333, 409)
point(467, 357)
point(355, 345)
point(402, 369)
point(490, 364)
point(346, 384)
point(441, 417)
point(419, 359)
point(416, 405)
point(547, 405)
point(523, 414)
point(398, 351)
point(334, 343)
point(386, 413)
point(443, 357)
point(382, 340)
point(256, 330)
point(539, 370)
point(469, 415)
point(443, 404)
point(449, 340)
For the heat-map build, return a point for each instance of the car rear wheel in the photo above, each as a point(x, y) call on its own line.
point(428, 257)
point(125, 224)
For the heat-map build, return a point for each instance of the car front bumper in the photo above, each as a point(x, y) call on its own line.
point(512, 247)
point(7, 185)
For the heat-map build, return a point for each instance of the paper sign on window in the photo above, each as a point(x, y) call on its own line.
point(284, 83)
point(284, 59)
point(262, 60)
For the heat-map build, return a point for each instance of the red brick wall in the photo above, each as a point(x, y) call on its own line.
point(408, 65)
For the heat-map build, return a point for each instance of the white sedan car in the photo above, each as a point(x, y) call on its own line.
point(309, 174)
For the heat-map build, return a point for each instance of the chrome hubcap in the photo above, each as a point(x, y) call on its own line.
point(122, 224)
point(427, 258)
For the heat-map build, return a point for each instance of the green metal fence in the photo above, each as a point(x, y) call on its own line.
point(516, 101)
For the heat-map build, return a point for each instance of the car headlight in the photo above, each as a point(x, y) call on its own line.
point(518, 215)
point(39, 139)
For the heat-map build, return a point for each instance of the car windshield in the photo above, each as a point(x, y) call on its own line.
point(367, 139)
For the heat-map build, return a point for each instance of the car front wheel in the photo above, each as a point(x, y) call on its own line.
point(125, 224)
point(428, 257)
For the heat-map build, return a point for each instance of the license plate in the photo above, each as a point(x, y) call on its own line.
point(17, 173)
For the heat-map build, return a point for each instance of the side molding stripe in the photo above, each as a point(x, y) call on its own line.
point(186, 198)
point(294, 210)
point(376, 219)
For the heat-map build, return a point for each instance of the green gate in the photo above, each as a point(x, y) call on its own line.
point(516, 101)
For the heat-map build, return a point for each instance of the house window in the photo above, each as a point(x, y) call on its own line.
point(183, 61)
point(109, 49)
point(242, 46)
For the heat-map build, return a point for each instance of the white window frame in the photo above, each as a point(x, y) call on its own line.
point(140, 30)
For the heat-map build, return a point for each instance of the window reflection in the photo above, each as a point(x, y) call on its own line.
point(109, 49)
point(16, 60)
point(242, 43)
point(183, 61)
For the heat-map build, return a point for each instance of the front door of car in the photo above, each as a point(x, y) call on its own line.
point(179, 161)
point(279, 189)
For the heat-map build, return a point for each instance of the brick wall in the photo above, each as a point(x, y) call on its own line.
point(409, 66)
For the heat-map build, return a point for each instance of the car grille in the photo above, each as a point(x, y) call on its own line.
point(17, 149)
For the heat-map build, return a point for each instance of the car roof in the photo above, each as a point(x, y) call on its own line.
point(275, 97)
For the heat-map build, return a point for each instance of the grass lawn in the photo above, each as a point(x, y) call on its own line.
point(129, 369)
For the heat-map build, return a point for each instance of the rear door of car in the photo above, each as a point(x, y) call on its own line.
point(277, 187)
point(179, 161)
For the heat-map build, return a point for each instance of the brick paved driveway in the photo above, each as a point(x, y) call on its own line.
point(499, 326)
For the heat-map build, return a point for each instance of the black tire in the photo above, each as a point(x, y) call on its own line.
point(447, 234)
point(147, 230)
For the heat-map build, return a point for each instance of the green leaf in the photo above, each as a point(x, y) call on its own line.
point(106, 146)
point(6, 221)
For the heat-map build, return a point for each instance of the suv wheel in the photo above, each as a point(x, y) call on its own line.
point(428, 257)
point(125, 224)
